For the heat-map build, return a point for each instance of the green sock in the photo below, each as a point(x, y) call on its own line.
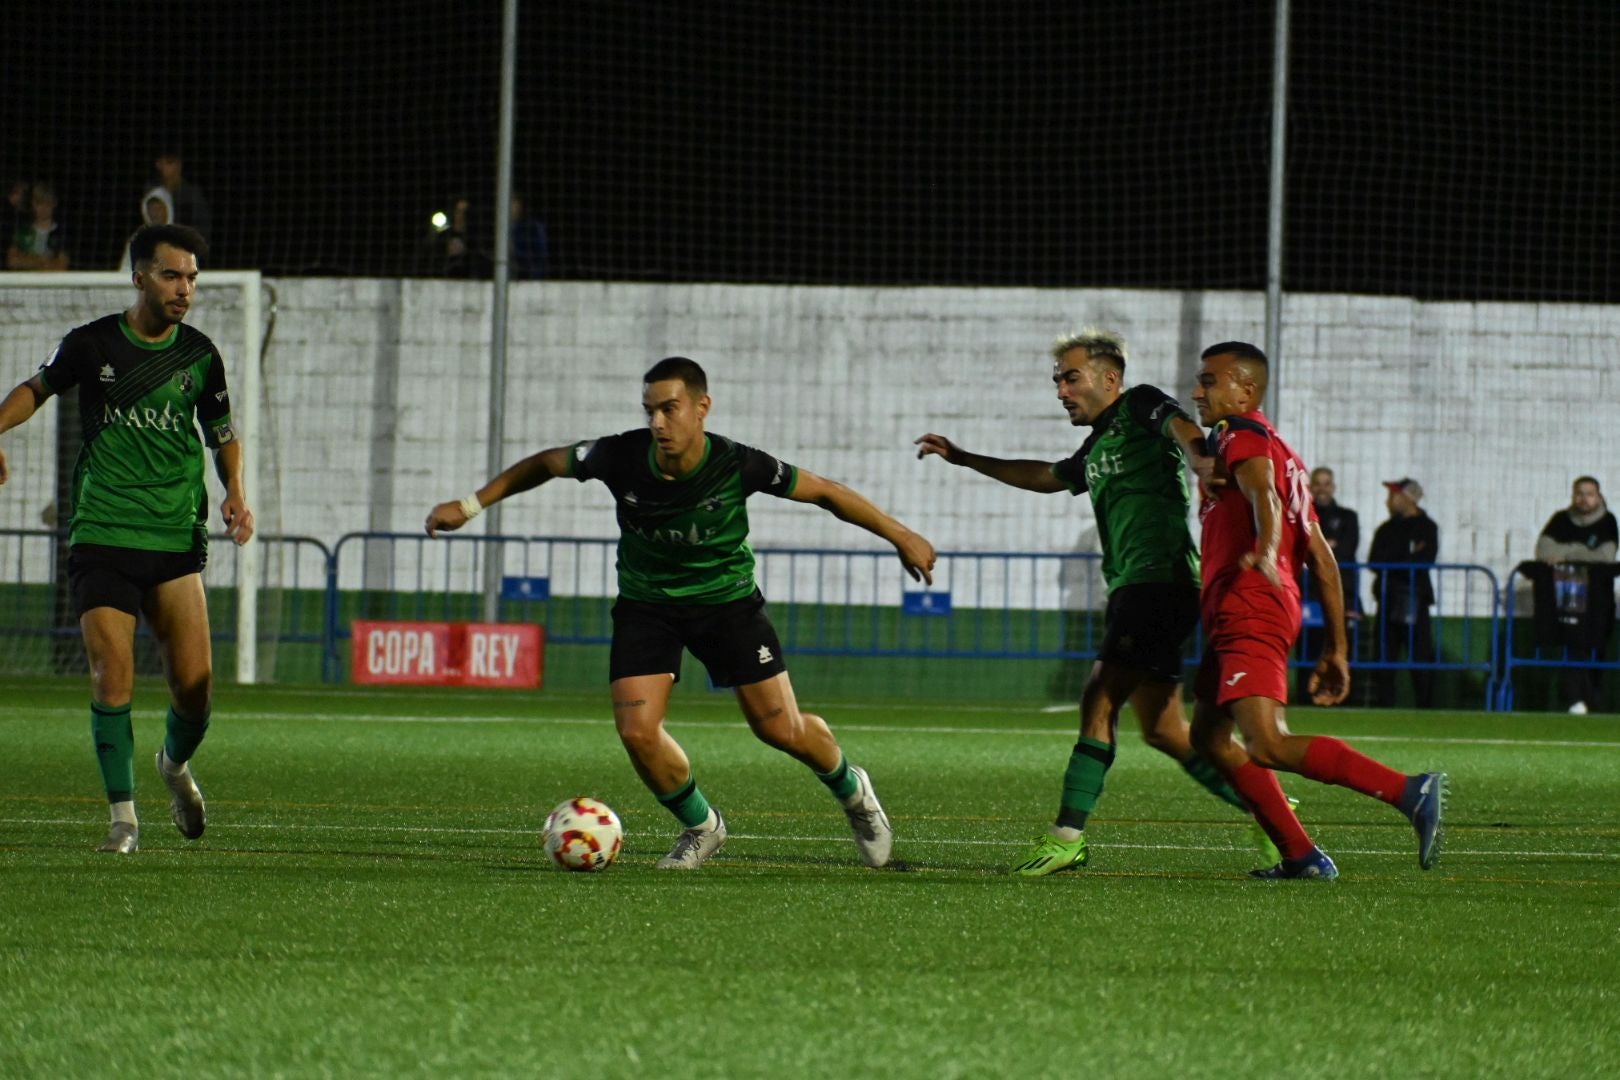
point(687, 804)
point(1083, 781)
point(115, 750)
point(1205, 773)
point(183, 736)
point(842, 781)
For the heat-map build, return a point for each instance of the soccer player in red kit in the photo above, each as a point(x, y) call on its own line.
point(1258, 529)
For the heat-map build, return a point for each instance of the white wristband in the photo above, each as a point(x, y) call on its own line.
point(471, 506)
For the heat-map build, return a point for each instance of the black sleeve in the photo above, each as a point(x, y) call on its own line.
point(214, 407)
point(1072, 471)
point(1431, 533)
point(1608, 530)
point(64, 367)
point(1552, 529)
point(592, 459)
point(762, 472)
point(1152, 407)
point(1352, 536)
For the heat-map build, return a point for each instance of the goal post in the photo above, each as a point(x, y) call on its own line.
point(40, 326)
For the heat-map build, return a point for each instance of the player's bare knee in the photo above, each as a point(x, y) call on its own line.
point(781, 727)
point(641, 738)
point(1161, 740)
point(194, 696)
point(1266, 752)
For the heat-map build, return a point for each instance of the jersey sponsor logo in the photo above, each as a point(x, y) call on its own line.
point(107, 373)
point(691, 537)
point(144, 417)
point(1103, 464)
point(183, 382)
point(711, 505)
point(222, 395)
point(1236, 675)
point(765, 656)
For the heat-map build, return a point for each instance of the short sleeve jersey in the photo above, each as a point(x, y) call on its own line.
point(1228, 518)
point(1137, 477)
point(682, 540)
point(138, 481)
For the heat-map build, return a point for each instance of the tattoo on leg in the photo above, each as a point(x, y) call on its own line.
point(638, 703)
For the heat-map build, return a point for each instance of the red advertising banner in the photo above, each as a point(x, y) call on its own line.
point(500, 654)
point(447, 654)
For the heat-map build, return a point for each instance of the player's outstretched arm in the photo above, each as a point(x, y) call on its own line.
point(23, 401)
point(1330, 682)
point(531, 472)
point(234, 510)
point(1256, 478)
point(1193, 445)
point(1029, 475)
point(916, 554)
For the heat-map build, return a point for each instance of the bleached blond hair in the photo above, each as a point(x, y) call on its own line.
point(1105, 345)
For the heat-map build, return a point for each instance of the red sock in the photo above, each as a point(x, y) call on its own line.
point(1260, 789)
point(1332, 761)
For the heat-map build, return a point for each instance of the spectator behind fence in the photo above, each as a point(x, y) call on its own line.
point(157, 208)
point(1578, 545)
point(1409, 537)
point(20, 213)
point(448, 250)
point(529, 248)
point(39, 243)
point(1341, 528)
point(187, 201)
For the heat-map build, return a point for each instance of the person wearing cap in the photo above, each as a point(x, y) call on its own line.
point(1579, 543)
point(1408, 540)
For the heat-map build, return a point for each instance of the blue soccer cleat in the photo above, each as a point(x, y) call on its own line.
point(1313, 864)
point(1428, 816)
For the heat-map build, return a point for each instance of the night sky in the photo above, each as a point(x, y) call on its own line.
point(1441, 150)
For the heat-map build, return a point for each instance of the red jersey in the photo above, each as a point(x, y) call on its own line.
point(1228, 519)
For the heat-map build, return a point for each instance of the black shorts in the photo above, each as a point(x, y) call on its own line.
point(119, 577)
point(734, 641)
point(1147, 625)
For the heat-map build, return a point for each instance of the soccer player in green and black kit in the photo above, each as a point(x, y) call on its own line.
point(686, 580)
point(1134, 466)
point(138, 539)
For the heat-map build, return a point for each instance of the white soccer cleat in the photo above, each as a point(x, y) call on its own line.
point(694, 846)
point(1578, 709)
point(185, 800)
point(124, 838)
point(873, 833)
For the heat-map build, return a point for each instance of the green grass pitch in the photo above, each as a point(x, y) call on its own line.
point(370, 899)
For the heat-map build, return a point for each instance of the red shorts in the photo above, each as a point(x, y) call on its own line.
point(1249, 632)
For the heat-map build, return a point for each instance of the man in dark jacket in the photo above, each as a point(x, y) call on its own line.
point(1404, 592)
point(1579, 544)
point(1341, 528)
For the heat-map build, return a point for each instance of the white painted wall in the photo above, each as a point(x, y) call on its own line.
point(377, 398)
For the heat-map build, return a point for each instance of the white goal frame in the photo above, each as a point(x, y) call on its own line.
point(246, 392)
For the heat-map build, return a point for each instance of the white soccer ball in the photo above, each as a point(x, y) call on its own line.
point(582, 834)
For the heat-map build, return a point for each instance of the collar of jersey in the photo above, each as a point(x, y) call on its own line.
point(658, 474)
point(141, 343)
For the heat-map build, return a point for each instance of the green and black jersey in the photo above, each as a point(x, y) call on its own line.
point(682, 540)
point(1137, 477)
point(138, 482)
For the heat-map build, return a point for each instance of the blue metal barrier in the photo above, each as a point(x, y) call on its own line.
point(1399, 634)
point(982, 605)
point(1536, 650)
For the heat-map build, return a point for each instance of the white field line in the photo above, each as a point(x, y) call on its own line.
point(227, 715)
point(443, 830)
